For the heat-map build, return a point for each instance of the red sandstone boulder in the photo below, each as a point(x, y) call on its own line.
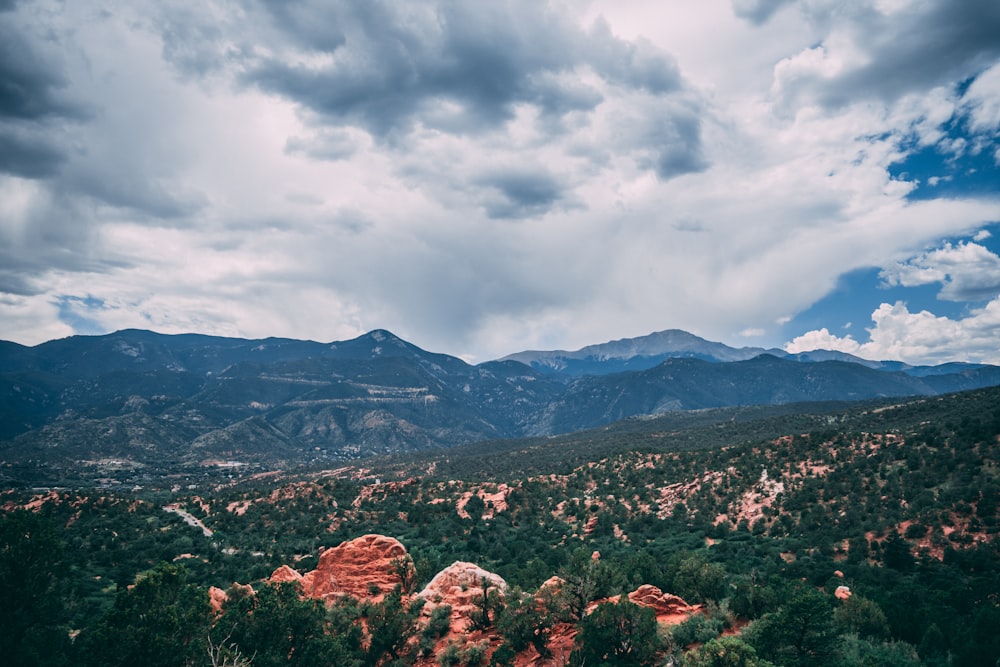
point(461, 586)
point(669, 608)
point(284, 574)
point(660, 602)
point(551, 585)
point(367, 567)
point(216, 598)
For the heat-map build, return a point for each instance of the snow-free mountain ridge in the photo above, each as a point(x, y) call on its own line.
point(136, 398)
point(633, 354)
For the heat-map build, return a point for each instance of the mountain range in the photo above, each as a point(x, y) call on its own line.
point(134, 400)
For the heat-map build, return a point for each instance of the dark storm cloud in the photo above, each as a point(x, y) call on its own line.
point(758, 11)
point(27, 150)
point(75, 149)
point(396, 66)
point(34, 105)
point(31, 86)
point(910, 51)
point(192, 43)
point(310, 22)
point(122, 186)
point(13, 281)
point(461, 67)
point(520, 193)
point(331, 145)
point(677, 142)
point(56, 234)
point(558, 95)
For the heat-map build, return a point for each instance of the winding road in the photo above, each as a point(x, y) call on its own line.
point(189, 519)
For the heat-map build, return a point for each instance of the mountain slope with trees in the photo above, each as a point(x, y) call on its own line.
point(128, 406)
point(834, 534)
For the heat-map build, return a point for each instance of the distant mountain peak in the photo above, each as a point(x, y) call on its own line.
point(381, 335)
point(629, 354)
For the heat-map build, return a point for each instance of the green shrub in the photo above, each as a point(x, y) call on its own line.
point(697, 628)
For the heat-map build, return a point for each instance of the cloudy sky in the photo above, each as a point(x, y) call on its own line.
point(486, 177)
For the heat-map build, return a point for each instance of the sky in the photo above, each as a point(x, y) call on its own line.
point(482, 178)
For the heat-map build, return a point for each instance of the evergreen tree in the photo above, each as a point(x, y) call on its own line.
point(276, 626)
point(863, 617)
point(161, 621)
point(390, 626)
point(32, 588)
point(801, 633)
point(523, 623)
point(725, 652)
point(621, 634)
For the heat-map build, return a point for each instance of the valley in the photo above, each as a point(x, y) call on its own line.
point(880, 517)
point(132, 407)
point(366, 509)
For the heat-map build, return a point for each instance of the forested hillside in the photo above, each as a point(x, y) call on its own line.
point(833, 534)
point(132, 406)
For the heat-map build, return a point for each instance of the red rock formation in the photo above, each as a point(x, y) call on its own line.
point(662, 603)
point(552, 584)
point(460, 585)
point(842, 592)
point(284, 574)
point(216, 598)
point(366, 567)
point(370, 566)
point(669, 608)
point(495, 502)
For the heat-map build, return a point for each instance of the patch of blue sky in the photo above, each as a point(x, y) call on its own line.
point(847, 309)
point(987, 236)
point(74, 311)
point(960, 165)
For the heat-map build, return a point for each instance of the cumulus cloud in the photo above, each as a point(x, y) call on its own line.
point(34, 101)
point(967, 272)
point(758, 11)
point(520, 193)
point(981, 101)
point(888, 50)
point(461, 67)
point(466, 70)
point(916, 338)
point(478, 177)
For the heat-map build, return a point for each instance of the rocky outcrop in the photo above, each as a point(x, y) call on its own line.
point(284, 574)
point(371, 566)
point(495, 502)
point(551, 586)
point(460, 585)
point(217, 598)
point(669, 608)
point(366, 567)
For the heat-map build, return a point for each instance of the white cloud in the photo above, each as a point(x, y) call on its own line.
point(982, 101)
point(916, 338)
point(31, 320)
point(539, 177)
point(967, 272)
point(822, 339)
point(752, 332)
